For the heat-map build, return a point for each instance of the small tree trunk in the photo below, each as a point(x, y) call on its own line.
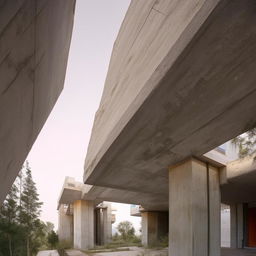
point(28, 247)
point(10, 244)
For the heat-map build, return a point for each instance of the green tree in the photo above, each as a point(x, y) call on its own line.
point(8, 215)
point(53, 239)
point(246, 143)
point(30, 212)
point(126, 230)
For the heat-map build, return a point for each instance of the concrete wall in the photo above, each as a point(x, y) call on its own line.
point(35, 38)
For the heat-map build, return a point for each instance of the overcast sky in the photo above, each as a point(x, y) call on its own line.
point(60, 149)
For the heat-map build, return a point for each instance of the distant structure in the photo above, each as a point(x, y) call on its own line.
point(83, 223)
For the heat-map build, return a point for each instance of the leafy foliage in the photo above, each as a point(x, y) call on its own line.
point(126, 229)
point(246, 143)
point(52, 239)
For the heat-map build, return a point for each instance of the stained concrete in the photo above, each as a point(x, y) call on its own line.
point(179, 74)
point(35, 37)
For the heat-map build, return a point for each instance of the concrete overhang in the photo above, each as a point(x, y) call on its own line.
point(35, 37)
point(73, 190)
point(181, 81)
point(241, 181)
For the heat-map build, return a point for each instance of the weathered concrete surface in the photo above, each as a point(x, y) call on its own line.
point(34, 44)
point(194, 210)
point(180, 73)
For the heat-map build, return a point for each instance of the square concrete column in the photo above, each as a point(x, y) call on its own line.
point(236, 225)
point(65, 226)
point(107, 223)
point(154, 227)
point(83, 224)
point(194, 209)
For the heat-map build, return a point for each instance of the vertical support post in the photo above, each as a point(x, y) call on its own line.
point(83, 224)
point(236, 225)
point(107, 223)
point(154, 227)
point(194, 209)
point(65, 226)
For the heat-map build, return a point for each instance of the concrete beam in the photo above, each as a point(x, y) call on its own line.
point(194, 213)
point(35, 38)
point(178, 74)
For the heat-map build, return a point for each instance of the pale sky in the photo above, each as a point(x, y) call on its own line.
point(60, 148)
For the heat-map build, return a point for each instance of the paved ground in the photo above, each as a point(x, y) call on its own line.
point(48, 253)
point(136, 251)
point(133, 251)
point(75, 253)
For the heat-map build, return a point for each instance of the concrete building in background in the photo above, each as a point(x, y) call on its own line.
point(35, 38)
point(181, 82)
point(83, 223)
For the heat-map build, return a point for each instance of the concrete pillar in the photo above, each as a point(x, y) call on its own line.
point(83, 224)
point(98, 226)
point(107, 223)
point(236, 225)
point(154, 227)
point(65, 228)
point(194, 209)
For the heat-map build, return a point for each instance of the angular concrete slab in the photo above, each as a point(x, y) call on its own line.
point(181, 81)
point(34, 44)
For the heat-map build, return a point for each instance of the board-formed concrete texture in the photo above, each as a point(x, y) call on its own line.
point(34, 44)
point(181, 81)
